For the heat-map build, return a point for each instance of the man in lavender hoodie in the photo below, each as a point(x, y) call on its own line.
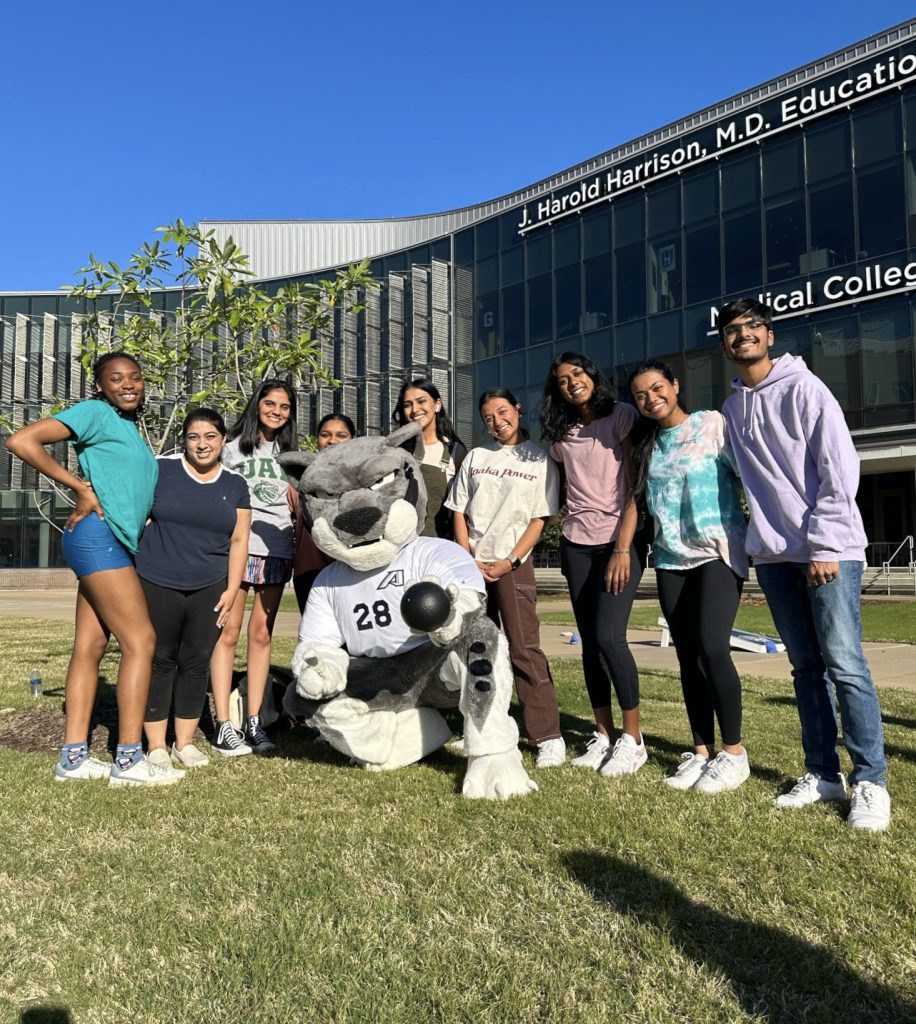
point(800, 473)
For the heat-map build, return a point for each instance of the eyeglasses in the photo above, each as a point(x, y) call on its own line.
point(735, 328)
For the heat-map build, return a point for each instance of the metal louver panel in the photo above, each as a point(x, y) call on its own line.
point(372, 422)
point(373, 340)
point(419, 293)
point(464, 314)
point(440, 347)
point(395, 321)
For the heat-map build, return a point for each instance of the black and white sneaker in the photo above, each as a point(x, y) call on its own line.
point(256, 738)
point(229, 742)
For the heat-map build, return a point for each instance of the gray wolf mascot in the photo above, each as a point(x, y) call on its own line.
point(372, 686)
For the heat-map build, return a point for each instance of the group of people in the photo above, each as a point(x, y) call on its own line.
point(167, 552)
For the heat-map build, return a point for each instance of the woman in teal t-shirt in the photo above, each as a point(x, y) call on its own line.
point(113, 500)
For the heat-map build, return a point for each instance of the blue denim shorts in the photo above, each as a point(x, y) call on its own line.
point(92, 547)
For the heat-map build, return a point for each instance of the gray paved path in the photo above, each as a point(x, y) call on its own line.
point(891, 664)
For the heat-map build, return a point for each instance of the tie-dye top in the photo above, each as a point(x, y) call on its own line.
point(692, 493)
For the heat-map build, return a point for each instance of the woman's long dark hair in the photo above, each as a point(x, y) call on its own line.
point(246, 426)
point(557, 415)
point(445, 429)
point(507, 396)
point(644, 433)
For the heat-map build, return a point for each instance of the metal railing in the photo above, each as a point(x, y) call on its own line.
point(906, 543)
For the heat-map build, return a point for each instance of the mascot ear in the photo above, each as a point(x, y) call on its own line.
point(410, 438)
point(296, 463)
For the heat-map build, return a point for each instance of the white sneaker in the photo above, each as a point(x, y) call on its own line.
point(688, 771)
point(812, 789)
point(88, 768)
point(596, 752)
point(160, 757)
point(725, 771)
point(144, 773)
point(870, 807)
point(551, 753)
point(627, 757)
point(190, 756)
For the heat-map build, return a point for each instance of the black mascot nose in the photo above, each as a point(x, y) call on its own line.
point(358, 521)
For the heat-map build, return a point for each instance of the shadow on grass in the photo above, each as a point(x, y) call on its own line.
point(46, 1015)
point(774, 975)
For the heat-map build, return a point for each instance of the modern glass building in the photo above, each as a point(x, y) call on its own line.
point(801, 191)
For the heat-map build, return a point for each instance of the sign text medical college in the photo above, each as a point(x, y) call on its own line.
point(791, 110)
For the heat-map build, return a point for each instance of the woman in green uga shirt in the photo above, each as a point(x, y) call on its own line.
point(113, 500)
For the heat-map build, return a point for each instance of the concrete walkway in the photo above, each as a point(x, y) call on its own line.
point(891, 664)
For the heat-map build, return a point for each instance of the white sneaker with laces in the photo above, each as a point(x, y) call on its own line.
point(189, 756)
point(596, 752)
point(551, 753)
point(725, 771)
point(688, 771)
point(159, 756)
point(88, 768)
point(870, 807)
point(627, 757)
point(812, 789)
point(144, 773)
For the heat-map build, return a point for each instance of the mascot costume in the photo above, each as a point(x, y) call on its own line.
point(369, 681)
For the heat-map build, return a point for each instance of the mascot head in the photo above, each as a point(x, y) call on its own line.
point(362, 500)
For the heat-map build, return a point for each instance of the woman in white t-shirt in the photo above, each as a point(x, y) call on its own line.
point(419, 401)
point(502, 497)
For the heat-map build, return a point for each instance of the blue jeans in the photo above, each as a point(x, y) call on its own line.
point(822, 630)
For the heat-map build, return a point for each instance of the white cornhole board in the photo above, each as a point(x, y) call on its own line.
point(741, 640)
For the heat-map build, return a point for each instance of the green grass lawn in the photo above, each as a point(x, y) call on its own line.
point(300, 889)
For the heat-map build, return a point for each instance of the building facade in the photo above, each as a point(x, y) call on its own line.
point(801, 191)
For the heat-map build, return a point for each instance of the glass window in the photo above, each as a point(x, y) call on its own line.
point(665, 209)
point(878, 133)
point(829, 151)
point(882, 224)
point(786, 237)
point(630, 346)
point(509, 238)
point(740, 182)
point(701, 196)
point(665, 334)
point(597, 346)
point(704, 377)
point(697, 327)
point(597, 293)
point(631, 281)
point(464, 247)
point(487, 324)
point(537, 254)
point(664, 274)
point(743, 264)
point(783, 168)
point(487, 238)
point(513, 317)
point(832, 227)
point(887, 361)
point(512, 265)
point(835, 359)
point(596, 232)
point(486, 376)
point(539, 360)
point(566, 245)
point(512, 371)
point(442, 249)
point(419, 256)
point(569, 301)
point(487, 275)
point(540, 309)
point(702, 258)
point(629, 224)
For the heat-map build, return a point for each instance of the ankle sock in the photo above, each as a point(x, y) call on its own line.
point(127, 754)
point(72, 755)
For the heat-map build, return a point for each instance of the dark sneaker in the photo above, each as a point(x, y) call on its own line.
point(229, 742)
point(256, 738)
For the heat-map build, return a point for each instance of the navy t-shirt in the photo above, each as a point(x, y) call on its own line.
point(185, 545)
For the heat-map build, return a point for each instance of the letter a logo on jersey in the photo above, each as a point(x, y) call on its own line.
point(395, 578)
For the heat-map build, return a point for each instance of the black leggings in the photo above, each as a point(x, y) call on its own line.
point(700, 606)
point(186, 633)
point(601, 618)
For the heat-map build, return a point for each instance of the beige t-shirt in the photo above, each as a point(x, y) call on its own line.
point(500, 488)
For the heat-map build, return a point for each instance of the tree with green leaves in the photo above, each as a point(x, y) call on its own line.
point(225, 332)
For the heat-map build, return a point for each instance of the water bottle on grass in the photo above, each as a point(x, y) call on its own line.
point(35, 682)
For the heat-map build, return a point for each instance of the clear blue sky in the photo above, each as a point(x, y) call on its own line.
point(119, 117)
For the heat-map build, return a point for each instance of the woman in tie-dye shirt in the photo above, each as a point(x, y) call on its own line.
point(686, 475)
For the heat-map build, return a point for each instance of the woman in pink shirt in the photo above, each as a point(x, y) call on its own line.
point(589, 433)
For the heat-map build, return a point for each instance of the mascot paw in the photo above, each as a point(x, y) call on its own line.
point(497, 777)
point(466, 605)
point(320, 670)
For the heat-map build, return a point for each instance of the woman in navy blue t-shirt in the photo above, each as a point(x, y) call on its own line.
point(190, 561)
